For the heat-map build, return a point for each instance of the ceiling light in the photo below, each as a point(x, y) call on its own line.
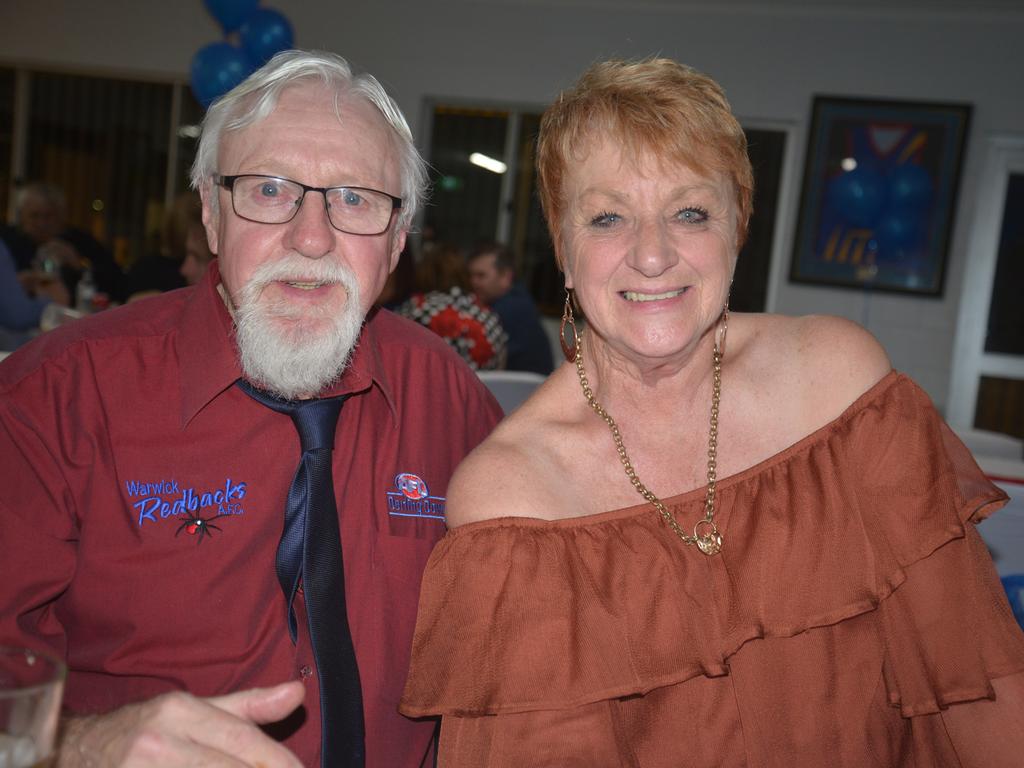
point(492, 165)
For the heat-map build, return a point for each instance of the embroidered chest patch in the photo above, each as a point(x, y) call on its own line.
point(153, 502)
point(410, 497)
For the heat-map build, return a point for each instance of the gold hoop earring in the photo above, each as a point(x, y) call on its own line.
point(722, 329)
point(567, 334)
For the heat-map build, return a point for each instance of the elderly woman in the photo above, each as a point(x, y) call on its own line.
point(711, 539)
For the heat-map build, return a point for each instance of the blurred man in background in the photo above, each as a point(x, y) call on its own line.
point(493, 279)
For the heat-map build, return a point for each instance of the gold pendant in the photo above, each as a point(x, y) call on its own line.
point(710, 543)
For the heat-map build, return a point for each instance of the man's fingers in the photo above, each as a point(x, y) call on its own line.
point(177, 729)
point(259, 706)
point(263, 705)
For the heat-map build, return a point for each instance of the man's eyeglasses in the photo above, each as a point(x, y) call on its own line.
point(273, 200)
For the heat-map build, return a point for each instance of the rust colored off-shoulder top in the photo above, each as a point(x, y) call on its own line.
point(852, 602)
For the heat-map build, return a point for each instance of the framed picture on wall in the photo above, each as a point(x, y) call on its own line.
point(879, 194)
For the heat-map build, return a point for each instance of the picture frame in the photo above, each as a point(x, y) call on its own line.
point(879, 194)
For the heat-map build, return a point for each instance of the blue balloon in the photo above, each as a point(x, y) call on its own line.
point(265, 33)
point(216, 69)
point(231, 13)
point(899, 231)
point(910, 186)
point(859, 196)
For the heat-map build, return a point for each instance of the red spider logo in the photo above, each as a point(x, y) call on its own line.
point(199, 525)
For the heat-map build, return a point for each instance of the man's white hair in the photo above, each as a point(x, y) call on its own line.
point(255, 98)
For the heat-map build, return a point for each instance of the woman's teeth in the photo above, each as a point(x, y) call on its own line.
point(634, 296)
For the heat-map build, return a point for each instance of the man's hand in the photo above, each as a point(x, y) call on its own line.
point(60, 252)
point(178, 729)
point(44, 285)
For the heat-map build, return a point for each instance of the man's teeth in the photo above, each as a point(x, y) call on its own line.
point(305, 286)
point(634, 296)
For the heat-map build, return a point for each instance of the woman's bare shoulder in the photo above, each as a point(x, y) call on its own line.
point(841, 355)
point(819, 363)
point(512, 472)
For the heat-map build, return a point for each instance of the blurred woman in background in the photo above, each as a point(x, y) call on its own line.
point(444, 304)
point(183, 254)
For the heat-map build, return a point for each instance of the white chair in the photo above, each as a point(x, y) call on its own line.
point(510, 388)
point(552, 329)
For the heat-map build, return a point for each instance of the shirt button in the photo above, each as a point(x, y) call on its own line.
point(306, 671)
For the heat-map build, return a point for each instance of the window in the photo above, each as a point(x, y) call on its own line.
point(987, 382)
point(1005, 332)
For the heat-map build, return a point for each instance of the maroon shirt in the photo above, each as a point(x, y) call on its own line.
point(119, 429)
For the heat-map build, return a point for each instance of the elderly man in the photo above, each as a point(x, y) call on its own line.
point(158, 533)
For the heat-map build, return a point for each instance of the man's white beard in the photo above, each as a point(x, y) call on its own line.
point(286, 349)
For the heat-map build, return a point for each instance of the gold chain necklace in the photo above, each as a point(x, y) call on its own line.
point(710, 540)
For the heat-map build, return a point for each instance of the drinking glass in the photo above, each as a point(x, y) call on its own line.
point(31, 687)
point(47, 260)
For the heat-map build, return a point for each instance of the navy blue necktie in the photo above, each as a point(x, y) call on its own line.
point(310, 551)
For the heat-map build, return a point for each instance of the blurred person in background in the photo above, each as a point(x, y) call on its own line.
point(40, 233)
point(23, 298)
point(401, 283)
point(492, 277)
point(197, 254)
point(182, 256)
point(444, 304)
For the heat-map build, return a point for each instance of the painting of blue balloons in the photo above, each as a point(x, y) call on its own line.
point(1014, 586)
point(879, 194)
point(252, 35)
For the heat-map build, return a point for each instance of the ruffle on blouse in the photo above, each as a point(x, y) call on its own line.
point(864, 515)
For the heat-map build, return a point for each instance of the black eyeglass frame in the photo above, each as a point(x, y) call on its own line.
point(228, 183)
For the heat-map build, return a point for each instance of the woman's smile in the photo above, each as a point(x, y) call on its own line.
point(644, 297)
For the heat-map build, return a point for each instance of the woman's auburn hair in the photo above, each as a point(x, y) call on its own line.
point(657, 106)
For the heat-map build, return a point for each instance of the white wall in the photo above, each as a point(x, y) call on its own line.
point(769, 58)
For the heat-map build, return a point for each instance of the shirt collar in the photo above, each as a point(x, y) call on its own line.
point(208, 354)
